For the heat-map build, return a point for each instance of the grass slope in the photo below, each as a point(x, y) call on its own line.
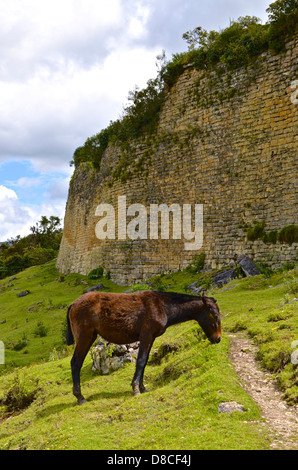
point(186, 386)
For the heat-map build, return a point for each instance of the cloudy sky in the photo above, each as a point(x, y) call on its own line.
point(65, 71)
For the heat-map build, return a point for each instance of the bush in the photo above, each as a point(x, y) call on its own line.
point(288, 234)
point(20, 395)
point(140, 117)
point(292, 285)
point(41, 330)
point(14, 264)
point(3, 270)
point(283, 19)
point(96, 273)
point(38, 255)
point(197, 263)
point(270, 237)
point(256, 232)
point(264, 269)
point(20, 344)
point(39, 247)
point(274, 356)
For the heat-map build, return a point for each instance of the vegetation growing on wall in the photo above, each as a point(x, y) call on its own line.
point(140, 117)
point(234, 47)
point(288, 234)
point(237, 45)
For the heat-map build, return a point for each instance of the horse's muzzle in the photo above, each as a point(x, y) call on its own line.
point(215, 340)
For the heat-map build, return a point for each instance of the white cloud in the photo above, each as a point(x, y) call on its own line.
point(137, 23)
point(34, 32)
point(6, 193)
point(12, 215)
point(17, 218)
point(47, 117)
point(67, 66)
point(27, 183)
point(66, 69)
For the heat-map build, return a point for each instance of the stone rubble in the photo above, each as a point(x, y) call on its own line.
point(108, 357)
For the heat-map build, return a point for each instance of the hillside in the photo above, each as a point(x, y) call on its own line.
point(186, 386)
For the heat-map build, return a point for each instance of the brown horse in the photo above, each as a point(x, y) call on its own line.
point(126, 318)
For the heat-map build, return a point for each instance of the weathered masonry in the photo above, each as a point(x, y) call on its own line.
point(224, 140)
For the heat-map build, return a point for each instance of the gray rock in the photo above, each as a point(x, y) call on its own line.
point(248, 266)
point(193, 288)
point(23, 294)
point(230, 288)
point(95, 288)
point(229, 407)
point(108, 357)
point(224, 277)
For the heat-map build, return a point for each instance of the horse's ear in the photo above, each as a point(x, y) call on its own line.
point(204, 296)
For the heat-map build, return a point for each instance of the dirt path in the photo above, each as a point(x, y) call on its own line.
point(281, 419)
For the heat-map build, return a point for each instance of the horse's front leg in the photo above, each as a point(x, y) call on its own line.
point(143, 355)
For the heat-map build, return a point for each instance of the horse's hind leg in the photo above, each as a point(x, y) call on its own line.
point(82, 347)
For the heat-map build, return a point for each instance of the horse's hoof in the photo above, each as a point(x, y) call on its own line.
point(81, 401)
point(143, 390)
point(136, 390)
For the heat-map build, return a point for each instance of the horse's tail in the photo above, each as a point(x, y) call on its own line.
point(69, 335)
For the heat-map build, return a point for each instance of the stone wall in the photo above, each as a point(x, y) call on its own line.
point(225, 140)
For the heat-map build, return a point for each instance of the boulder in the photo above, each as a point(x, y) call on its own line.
point(248, 266)
point(224, 277)
point(23, 294)
point(95, 288)
point(108, 357)
point(194, 289)
point(229, 407)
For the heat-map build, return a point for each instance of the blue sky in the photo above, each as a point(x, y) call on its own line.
point(26, 194)
point(66, 69)
point(32, 186)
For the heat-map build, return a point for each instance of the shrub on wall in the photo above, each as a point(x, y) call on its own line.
point(288, 234)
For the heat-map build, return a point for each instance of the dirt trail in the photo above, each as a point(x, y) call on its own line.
point(281, 419)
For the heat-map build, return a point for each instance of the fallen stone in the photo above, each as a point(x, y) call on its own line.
point(248, 266)
point(194, 289)
point(230, 407)
point(23, 294)
point(229, 288)
point(95, 288)
point(108, 357)
point(224, 277)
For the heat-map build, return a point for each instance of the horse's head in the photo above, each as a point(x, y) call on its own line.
point(209, 319)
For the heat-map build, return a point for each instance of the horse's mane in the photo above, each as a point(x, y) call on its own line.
point(182, 298)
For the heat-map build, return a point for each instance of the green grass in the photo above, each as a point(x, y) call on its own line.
point(264, 308)
point(185, 385)
point(179, 412)
point(50, 295)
